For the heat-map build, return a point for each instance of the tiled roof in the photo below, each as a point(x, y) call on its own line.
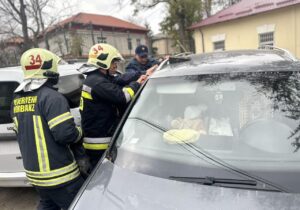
point(101, 20)
point(243, 9)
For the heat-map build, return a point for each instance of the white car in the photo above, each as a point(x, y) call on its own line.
point(11, 167)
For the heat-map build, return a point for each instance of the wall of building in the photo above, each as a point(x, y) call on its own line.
point(119, 40)
point(243, 33)
point(164, 46)
point(57, 43)
point(10, 55)
point(297, 30)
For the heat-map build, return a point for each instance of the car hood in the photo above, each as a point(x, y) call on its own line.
point(113, 188)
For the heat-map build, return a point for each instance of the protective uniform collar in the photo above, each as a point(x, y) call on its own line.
point(30, 85)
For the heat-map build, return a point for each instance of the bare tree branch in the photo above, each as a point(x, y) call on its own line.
point(154, 3)
point(33, 26)
point(12, 4)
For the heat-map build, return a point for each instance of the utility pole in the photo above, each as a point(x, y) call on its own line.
point(92, 32)
point(65, 36)
point(129, 42)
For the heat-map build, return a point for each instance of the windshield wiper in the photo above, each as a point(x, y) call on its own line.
point(212, 180)
point(208, 155)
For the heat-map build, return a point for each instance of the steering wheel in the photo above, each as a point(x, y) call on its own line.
point(268, 135)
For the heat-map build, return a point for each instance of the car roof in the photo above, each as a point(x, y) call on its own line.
point(229, 62)
point(16, 74)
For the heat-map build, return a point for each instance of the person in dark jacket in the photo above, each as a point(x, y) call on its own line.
point(141, 62)
point(45, 130)
point(103, 96)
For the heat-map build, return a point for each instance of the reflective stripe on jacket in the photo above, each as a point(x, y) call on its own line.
point(96, 143)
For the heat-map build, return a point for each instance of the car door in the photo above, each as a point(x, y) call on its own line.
point(10, 157)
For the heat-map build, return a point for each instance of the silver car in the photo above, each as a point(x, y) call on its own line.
point(11, 166)
point(211, 131)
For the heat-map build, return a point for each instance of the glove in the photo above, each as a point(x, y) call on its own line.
point(85, 166)
point(82, 159)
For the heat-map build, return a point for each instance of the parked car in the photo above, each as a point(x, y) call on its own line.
point(211, 131)
point(11, 167)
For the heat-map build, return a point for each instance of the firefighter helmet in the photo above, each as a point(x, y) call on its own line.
point(101, 56)
point(39, 63)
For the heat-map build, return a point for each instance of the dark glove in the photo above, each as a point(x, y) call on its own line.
point(82, 159)
point(85, 166)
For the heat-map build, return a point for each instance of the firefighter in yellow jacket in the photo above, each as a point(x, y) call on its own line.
point(45, 130)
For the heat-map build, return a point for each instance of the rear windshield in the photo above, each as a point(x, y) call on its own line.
point(6, 95)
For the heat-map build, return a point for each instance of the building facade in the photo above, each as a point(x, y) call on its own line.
point(74, 36)
point(10, 51)
point(164, 45)
point(251, 24)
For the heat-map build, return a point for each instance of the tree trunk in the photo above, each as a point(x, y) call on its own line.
point(43, 27)
point(183, 34)
point(27, 42)
point(208, 7)
point(181, 28)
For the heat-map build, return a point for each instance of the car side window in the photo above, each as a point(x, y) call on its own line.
point(6, 96)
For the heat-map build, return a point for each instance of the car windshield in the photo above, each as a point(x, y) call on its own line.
point(248, 120)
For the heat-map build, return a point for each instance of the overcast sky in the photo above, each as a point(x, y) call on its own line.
point(111, 7)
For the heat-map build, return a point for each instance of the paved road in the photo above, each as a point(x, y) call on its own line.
point(18, 199)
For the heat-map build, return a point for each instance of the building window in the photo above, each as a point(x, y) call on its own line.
point(129, 43)
point(101, 39)
point(219, 46)
point(138, 42)
point(266, 39)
